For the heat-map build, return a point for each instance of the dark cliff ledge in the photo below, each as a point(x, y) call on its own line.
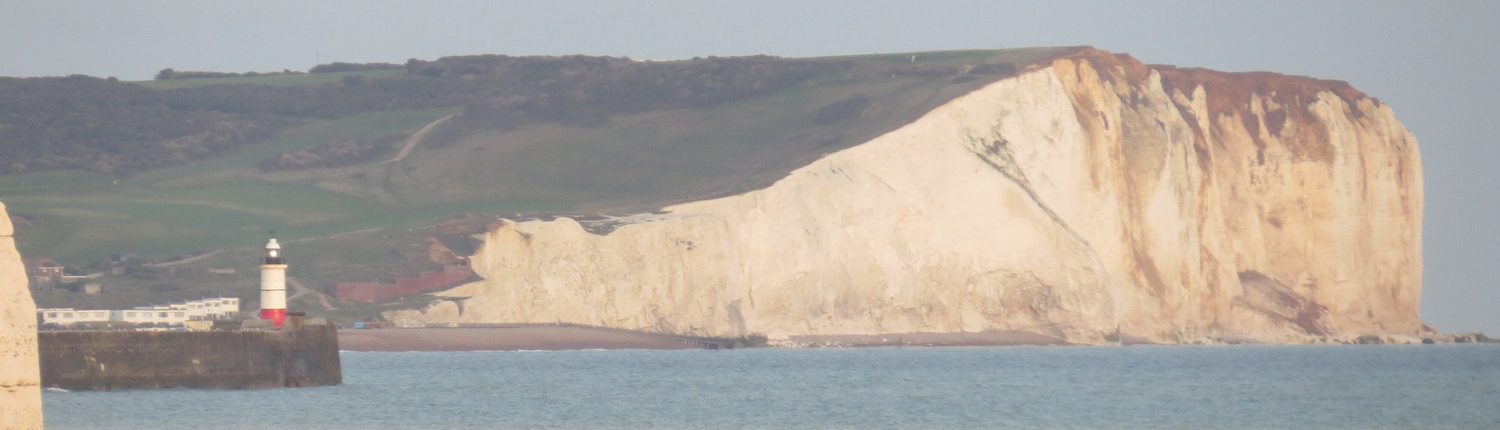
point(103, 360)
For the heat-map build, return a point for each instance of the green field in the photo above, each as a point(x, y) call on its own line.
point(645, 161)
point(225, 202)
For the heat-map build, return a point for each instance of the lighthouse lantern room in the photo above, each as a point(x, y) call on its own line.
point(273, 285)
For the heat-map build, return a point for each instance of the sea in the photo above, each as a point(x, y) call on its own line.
point(1137, 387)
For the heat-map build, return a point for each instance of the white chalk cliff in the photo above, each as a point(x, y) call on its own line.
point(20, 378)
point(1087, 196)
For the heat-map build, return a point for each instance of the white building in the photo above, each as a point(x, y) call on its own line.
point(205, 309)
point(175, 313)
point(68, 316)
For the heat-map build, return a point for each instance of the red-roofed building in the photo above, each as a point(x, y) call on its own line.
point(372, 292)
point(44, 271)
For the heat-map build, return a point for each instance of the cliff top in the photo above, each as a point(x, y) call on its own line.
point(1228, 92)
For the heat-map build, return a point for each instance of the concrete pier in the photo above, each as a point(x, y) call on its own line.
point(304, 355)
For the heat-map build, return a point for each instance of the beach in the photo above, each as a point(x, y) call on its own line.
point(508, 338)
point(981, 338)
point(564, 337)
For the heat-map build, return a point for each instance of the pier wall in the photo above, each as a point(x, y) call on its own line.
point(112, 360)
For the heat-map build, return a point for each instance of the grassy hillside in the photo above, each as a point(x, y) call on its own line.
point(485, 161)
point(644, 161)
point(78, 216)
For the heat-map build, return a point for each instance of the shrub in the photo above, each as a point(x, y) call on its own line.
point(993, 69)
point(842, 110)
point(335, 154)
point(351, 67)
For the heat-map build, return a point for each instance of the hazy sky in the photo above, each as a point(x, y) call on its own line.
point(1435, 63)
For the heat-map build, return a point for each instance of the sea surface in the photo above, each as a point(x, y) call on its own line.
point(1228, 387)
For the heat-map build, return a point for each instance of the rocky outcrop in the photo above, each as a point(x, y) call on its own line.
point(1086, 198)
point(20, 392)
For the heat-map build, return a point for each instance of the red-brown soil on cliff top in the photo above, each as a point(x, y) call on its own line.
point(1284, 99)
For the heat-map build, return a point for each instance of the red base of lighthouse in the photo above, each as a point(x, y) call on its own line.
point(277, 316)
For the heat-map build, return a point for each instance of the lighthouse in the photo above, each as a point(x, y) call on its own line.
point(273, 285)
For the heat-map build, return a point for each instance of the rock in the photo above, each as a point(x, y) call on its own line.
point(20, 389)
point(1090, 197)
point(1471, 338)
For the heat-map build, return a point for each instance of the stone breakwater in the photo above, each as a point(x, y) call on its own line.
point(113, 360)
point(20, 394)
point(1089, 198)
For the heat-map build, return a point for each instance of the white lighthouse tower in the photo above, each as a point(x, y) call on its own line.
point(273, 285)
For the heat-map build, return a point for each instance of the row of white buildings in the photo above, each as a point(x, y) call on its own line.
point(172, 314)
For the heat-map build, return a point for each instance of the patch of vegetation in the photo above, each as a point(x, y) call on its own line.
point(272, 79)
point(842, 110)
point(336, 154)
point(337, 67)
point(170, 74)
point(993, 69)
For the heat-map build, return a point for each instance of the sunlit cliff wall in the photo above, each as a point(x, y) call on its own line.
point(1086, 197)
point(20, 394)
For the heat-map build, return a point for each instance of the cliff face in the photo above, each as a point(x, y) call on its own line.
point(1085, 197)
point(20, 394)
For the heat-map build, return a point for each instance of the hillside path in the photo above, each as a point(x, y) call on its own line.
point(411, 143)
point(185, 260)
point(303, 290)
point(416, 138)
